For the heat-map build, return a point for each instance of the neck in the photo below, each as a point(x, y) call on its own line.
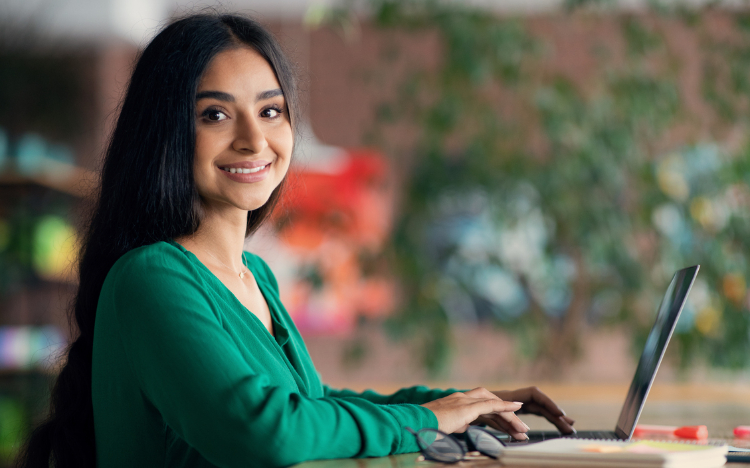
point(221, 235)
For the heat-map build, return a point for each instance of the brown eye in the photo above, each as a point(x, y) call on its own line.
point(271, 113)
point(214, 115)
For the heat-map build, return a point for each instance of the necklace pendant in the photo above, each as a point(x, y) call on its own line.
point(242, 275)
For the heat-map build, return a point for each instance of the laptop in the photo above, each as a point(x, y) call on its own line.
point(653, 352)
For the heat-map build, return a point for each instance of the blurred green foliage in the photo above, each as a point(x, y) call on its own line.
point(548, 205)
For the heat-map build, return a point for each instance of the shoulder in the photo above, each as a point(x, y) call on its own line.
point(158, 277)
point(157, 256)
point(149, 266)
point(260, 269)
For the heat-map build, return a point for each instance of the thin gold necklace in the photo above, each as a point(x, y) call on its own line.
point(242, 272)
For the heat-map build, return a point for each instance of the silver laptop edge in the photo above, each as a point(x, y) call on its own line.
point(624, 428)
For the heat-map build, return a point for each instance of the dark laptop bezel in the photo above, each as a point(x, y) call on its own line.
point(686, 275)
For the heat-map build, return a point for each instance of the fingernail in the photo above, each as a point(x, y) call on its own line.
point(574, 430)
point(526, 425)
point(518, 403)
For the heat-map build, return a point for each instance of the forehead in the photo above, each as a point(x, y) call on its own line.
point(241, 72)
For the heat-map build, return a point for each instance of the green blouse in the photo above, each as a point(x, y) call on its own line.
point(185, 376)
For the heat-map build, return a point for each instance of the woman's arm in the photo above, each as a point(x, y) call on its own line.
point(433, 398)
point(190, 369)
point(417, 395)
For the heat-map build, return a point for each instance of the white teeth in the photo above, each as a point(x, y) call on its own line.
point(240, 170)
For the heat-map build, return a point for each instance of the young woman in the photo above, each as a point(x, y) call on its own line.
point(186, 356)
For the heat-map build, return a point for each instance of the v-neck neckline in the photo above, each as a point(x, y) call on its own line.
point(281, 335)
point(279, 330)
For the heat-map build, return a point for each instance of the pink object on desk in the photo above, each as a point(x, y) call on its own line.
point(685, 432)
point(742, 432)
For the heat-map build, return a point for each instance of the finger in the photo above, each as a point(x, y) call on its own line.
point(504, 410)
point(509, 416)
point(513, 421)
point(497, 406)
point(563, 423)
point(502, 425)
point(537, 402)
point(541, 399)
point(519, 435)
point(481, 421)
point(499, 423)
point(480, 392)
point(551, 415)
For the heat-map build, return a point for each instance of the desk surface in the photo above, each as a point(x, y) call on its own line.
point(720, 417)
point(410, 461)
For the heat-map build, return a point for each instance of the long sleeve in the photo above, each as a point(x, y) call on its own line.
point(416, 395)
point(191, 369)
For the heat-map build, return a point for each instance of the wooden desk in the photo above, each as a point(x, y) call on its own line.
point(411, 461)
point(717, 411)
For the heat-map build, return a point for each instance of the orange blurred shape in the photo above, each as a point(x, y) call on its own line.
point(332, 217)
point(303, 235)
point(351, 202)
point(376, 297)
point(692, 432)
point(683, 432)
point(733, 286)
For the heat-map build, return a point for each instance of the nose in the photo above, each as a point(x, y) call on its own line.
point(250, 137)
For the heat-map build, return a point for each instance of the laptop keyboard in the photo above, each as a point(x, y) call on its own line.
point(539, 436)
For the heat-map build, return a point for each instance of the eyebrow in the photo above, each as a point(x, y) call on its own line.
point(226, 97)
point(263, 95)
point(218, 95)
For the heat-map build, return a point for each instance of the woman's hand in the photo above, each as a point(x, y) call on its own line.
point(456, 412)
point(536, 402)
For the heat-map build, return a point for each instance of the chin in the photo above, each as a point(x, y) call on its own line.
point(252, 205)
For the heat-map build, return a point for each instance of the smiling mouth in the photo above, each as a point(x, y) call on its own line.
point(240, 170)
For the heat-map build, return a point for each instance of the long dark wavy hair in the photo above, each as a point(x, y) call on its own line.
point(147, 195)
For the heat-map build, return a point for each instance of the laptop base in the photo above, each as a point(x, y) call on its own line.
point(539, 436)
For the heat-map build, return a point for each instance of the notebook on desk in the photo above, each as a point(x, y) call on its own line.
point(614, 453)
point(653, 351)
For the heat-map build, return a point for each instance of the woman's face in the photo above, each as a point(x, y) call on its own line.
point(243, 134)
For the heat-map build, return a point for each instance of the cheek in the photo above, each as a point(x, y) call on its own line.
point(203, 148)
point(203, 161)
point(283, 142)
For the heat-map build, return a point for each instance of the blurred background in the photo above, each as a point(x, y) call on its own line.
point(487, 193)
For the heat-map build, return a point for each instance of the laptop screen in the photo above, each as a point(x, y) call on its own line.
point(656, 344)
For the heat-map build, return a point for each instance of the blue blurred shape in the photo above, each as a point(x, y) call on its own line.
point(24, 347)
point(61, 153)
point(30, 154)
point(3, 149)
point(60, 162)
point(34, 157)
point(501, 288)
